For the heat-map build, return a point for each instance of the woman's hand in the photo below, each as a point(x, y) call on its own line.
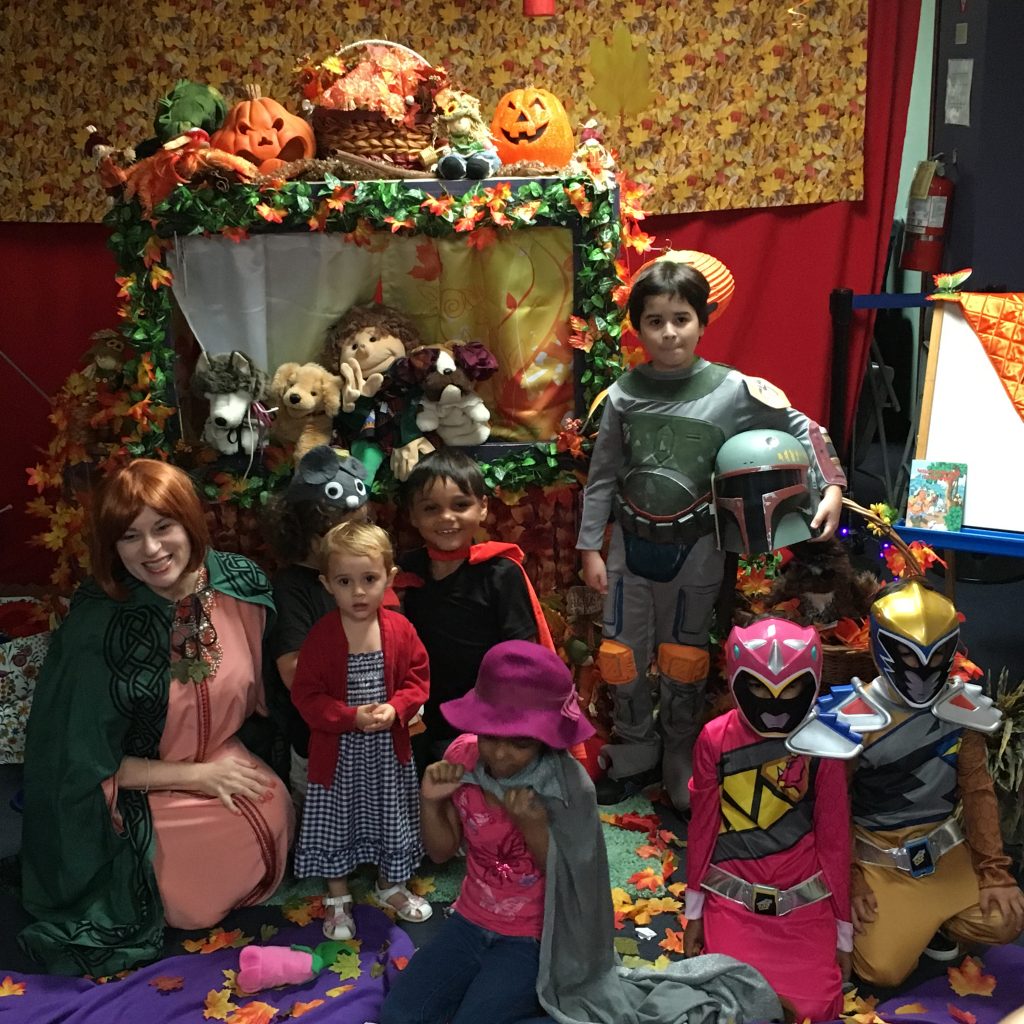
point(441, 779)
point(693, 937)
point(230, 777)
point(827, 515)
point(863, 911)
point(594, 571)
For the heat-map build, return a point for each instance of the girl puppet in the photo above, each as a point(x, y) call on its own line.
point(769, 837)
point(661, 430)
point(141, 806)
point(533, 924)
point(362, 675)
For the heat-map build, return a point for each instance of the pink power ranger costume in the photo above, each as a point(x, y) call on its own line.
point(769, 837)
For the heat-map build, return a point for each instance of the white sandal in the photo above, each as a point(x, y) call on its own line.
point(338, 921)
point(415, 909)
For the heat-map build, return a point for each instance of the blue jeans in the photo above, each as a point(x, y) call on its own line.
point(466, 975)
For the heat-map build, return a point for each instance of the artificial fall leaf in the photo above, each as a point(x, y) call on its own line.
point(968, 980)
point(347, 966)
point(422, 886)
point(341, 196)
point(852, 633)
point(218, 1005)
point(253, 1013)
point(270, 213)
point(853, 1003)
point(910, 1008)
point(267, 932)
point(217, 939)
point(235, 234)
point(303, 912)
point(10, 987)
point(673, 941)
point(333, 993)
point(631, 822)
point(400, 962)
point(647, 850)
point(299, 1009)
point(646, 879)
point(963, 1016)
point(481, 238)
point(677, 888)
point(166, 983)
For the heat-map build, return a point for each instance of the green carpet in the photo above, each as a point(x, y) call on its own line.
point(446, 879)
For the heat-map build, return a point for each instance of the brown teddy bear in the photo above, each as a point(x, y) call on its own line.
point(367, 348)
point(307, 397)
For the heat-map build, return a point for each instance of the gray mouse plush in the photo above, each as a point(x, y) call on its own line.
point(325, 475)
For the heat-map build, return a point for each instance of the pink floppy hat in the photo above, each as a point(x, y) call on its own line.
point(522, 689)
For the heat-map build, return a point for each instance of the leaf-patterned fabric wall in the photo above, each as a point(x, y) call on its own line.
point(720, 105)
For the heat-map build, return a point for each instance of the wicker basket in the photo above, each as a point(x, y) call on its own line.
point(841, 663)
point(367, 135)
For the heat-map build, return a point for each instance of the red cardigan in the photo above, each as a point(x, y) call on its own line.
point(321, 685)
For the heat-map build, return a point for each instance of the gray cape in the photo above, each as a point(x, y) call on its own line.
point(581, 980)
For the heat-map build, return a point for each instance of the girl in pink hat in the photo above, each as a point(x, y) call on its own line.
point(489, 795)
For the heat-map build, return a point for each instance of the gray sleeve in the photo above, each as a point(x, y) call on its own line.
point(602, 479)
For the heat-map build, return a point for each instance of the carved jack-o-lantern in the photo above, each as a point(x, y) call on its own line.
point(531, 124)
point(264, 133)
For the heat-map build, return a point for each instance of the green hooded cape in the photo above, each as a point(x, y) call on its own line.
point(102, 695)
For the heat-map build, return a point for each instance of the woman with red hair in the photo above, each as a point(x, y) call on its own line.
point(142, 808)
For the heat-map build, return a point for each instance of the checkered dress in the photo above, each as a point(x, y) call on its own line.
point(371, 812)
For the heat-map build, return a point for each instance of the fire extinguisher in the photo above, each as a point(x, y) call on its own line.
point(928, 224)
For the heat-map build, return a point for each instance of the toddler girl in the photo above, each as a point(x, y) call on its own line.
point(362, 675)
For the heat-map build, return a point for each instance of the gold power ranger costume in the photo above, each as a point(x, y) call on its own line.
point(923, 867)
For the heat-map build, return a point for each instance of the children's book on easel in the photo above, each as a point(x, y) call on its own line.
point(935, 497)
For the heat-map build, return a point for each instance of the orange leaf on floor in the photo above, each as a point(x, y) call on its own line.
point(253, 1013)
point(968, 979)
point(333, 993)
point(963, 1016)
point(647, 879)
point(217, 939)
point(910, 1008)
point(299, 1009)
point(10, 987)
point(648, 851)
point(673, 941)
point(166, 983)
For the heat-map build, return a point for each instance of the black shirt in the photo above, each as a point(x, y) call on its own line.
point(460, 618)
point(301, 602)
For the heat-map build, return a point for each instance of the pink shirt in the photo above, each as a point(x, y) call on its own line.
point(503, 890)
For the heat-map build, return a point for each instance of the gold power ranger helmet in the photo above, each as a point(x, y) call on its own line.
point(914, 636)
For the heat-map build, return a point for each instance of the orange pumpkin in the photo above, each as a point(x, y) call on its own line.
point(531, 124)
point(264, 133)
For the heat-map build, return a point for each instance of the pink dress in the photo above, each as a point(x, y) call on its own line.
point(209, 861)
point(771, 818)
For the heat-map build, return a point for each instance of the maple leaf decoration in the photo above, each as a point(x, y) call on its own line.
point(673, 941)
point(217, 939)
point(166, 984)
point(254, 1013)
point(218, 1005)
point(968, 979)
point(300, 1009)
point(910, 1008)
point(10, 987)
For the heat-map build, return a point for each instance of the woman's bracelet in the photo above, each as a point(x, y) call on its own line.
point(149, 775)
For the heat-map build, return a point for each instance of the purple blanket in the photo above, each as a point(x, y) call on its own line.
point(351, 995)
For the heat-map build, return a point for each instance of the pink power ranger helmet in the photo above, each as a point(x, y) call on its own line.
point(774, 671)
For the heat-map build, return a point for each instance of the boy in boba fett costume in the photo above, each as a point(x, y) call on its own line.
point(662, 428)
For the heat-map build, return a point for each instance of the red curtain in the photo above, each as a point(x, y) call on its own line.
point(786, 261)
point(59, 282)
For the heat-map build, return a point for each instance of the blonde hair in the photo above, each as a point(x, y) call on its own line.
point(356, 538)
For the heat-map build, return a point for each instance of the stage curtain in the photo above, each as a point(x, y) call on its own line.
point(786, 261)
point(59, 287)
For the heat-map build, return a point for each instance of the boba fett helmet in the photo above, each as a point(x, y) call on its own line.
point(762, 502)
